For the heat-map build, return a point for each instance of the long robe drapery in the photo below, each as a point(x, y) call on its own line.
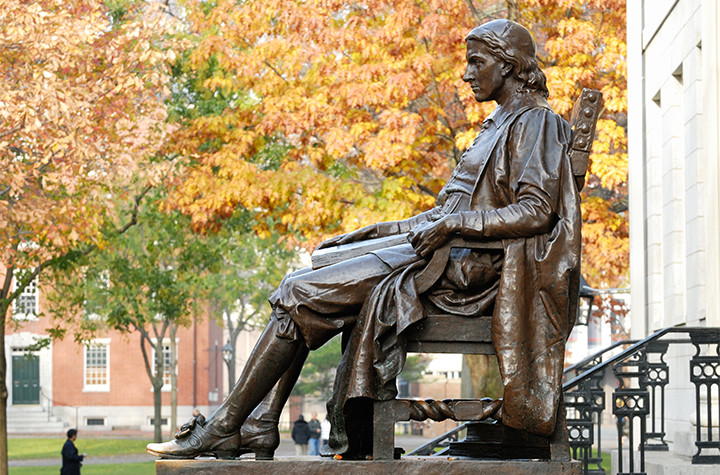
point(525, 196)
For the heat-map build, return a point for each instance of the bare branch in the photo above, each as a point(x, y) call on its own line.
point(134, 212)
point(474, 11)
point(22, 284)
point(14, 129)
point(267, 63)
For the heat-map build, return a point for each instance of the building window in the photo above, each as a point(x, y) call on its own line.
point(95, 421)
point(166, 366)
point(99, 282)
point(25, 306)
point(97, 366)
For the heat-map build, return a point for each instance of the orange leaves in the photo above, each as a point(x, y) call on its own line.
point(463, 140)
point(605, 244)
point(585, 47)
point(88, 99)
point(609, 159)
point(367, 103)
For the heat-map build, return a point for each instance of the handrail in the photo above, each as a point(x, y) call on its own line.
point(639, 402)
point(428, 446)
point(590, 358)
point(642, 375)
point(628, 352)
point(52, 403)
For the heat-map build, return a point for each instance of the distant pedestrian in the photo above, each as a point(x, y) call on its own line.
point(325, 431)
point(71, 460)
point(314, 426)
point(301, 435)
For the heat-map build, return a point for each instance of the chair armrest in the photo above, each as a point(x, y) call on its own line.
point(432, 272)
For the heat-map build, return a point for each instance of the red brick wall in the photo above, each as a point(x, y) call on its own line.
point(437, 387)
point(129, 382)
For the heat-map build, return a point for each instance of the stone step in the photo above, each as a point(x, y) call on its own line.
point(32, 419)
point(25, 409)
point(664, 463)
point(47, 427)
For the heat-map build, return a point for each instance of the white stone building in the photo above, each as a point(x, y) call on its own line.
point(674, 186)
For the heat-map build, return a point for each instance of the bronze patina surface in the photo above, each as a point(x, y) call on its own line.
point(515, 189)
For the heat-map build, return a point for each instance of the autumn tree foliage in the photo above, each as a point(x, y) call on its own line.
point(583, 45)
point(81, 113)
point(338, 114)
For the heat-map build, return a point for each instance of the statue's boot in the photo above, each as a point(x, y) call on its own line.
point(219, 435)
point(259, 433)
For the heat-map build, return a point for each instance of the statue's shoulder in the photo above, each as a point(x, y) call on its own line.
point(535, 108)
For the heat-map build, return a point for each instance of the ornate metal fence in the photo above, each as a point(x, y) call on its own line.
point(638, 401)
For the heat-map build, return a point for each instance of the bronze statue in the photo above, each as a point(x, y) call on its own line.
point(515, 185)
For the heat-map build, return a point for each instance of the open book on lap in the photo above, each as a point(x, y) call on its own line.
point(343, 252)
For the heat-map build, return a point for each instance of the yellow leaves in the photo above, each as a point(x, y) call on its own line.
point(605, 243)
point(339, 142)
point(368, 99)
point(463, 140)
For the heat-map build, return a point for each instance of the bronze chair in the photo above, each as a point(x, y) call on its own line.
point(443, 333)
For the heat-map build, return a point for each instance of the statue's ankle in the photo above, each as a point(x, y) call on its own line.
point(219, 428)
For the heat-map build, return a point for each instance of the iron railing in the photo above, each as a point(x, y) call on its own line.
point(638, 401)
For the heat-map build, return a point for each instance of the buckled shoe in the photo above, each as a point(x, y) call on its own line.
point(194, 440)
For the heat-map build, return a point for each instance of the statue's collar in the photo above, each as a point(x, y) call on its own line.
point(519, 101)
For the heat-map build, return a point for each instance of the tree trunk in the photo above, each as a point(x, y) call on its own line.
point(157, 390)
point(173, 379)
point(233, 332)
point(513, 10)
point(484, 376)
point(3, 390)
point(157, 401)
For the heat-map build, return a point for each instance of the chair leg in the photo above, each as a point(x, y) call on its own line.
point(383, 430)
point(559, 443)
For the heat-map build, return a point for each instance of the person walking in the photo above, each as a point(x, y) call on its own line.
point(314, 426)
point(71, 460)
point(301, 435)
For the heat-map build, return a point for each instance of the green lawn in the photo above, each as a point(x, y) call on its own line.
point(35, 448)
point(144, 468)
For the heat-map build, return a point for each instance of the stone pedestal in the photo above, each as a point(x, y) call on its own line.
point(407, 466)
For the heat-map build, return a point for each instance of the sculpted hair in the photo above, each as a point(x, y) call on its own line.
point(525, 67)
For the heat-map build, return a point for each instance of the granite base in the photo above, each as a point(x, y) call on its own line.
point(406, 466)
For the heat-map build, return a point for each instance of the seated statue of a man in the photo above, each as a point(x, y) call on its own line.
point(514, 185)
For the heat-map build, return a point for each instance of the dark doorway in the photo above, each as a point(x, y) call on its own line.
point(26, 379)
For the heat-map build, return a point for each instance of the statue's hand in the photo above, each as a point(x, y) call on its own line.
point(427, 237)
point(368, 232)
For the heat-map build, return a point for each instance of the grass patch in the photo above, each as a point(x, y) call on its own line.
point(143, 468)
point(606, 461)
point(35, 448)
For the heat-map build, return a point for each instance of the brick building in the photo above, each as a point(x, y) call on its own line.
point(103, 384)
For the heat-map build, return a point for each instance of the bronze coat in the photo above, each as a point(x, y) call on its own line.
point(525, 195)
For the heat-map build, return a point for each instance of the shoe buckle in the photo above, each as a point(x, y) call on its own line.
point(187, 428)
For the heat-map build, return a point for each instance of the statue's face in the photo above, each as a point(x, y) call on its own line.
point(484, 72)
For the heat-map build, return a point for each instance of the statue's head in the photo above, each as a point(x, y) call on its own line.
point(512, 43)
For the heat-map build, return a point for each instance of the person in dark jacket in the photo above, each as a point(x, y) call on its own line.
point(301, 435)
point(71, 460)
point(315, 430)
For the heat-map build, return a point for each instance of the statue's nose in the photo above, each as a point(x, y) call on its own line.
point(467, 77)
